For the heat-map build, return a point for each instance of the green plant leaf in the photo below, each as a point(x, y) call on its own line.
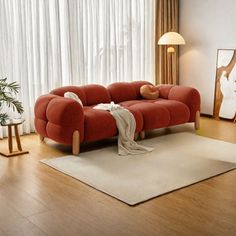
point(3, 118)
point(7, 93)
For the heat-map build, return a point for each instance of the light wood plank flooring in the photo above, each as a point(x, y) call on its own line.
point(37, 200)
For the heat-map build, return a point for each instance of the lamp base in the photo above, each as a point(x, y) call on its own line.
point(170, 50)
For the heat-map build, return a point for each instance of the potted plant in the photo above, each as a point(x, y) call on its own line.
point(8, 92)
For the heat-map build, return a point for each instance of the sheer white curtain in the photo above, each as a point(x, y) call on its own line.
point(45, 44)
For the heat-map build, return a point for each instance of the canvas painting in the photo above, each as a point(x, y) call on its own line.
point(225, 85)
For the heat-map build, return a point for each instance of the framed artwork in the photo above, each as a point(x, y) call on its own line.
point(225, 85)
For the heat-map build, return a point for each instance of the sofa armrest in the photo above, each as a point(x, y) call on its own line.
point(189, 96)
point(57, 118)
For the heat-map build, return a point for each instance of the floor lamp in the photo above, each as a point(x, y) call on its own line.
point(170, 39)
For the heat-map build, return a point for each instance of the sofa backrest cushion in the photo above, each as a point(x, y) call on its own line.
point(137, 85)
point(73, 96)
point(96, 94)
point(74, 89)
point(164, 90)
point(124, 91)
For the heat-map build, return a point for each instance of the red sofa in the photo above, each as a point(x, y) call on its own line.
point(66, 121)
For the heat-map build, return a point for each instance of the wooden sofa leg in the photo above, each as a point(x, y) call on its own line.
point(41, 138)
point(76, 143)
point(197, 121)
point(142, 134)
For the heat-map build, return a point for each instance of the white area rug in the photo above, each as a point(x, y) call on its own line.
point(178, 160)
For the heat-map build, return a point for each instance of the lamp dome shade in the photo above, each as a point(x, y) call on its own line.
point(171, 38)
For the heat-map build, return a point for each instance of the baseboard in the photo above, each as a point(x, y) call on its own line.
point(206, 115)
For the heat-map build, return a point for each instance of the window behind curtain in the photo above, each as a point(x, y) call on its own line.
point(50, 43)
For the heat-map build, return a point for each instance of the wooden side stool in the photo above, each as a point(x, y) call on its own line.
point(11, 153)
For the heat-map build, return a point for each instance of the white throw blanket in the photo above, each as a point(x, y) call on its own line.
point(126, 126)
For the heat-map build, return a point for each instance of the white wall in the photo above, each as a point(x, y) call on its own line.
point(206, 25)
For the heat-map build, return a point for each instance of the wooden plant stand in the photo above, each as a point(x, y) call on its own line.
point(11, 153)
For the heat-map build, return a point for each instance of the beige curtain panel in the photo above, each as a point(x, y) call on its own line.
point(166, 20)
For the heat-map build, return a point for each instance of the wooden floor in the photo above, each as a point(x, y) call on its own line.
point(37, 200)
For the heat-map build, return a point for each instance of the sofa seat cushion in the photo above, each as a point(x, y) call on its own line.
point(98, 124)
point(179, 112)
point(133, 102)
point(154, 115)
point(138, 118)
